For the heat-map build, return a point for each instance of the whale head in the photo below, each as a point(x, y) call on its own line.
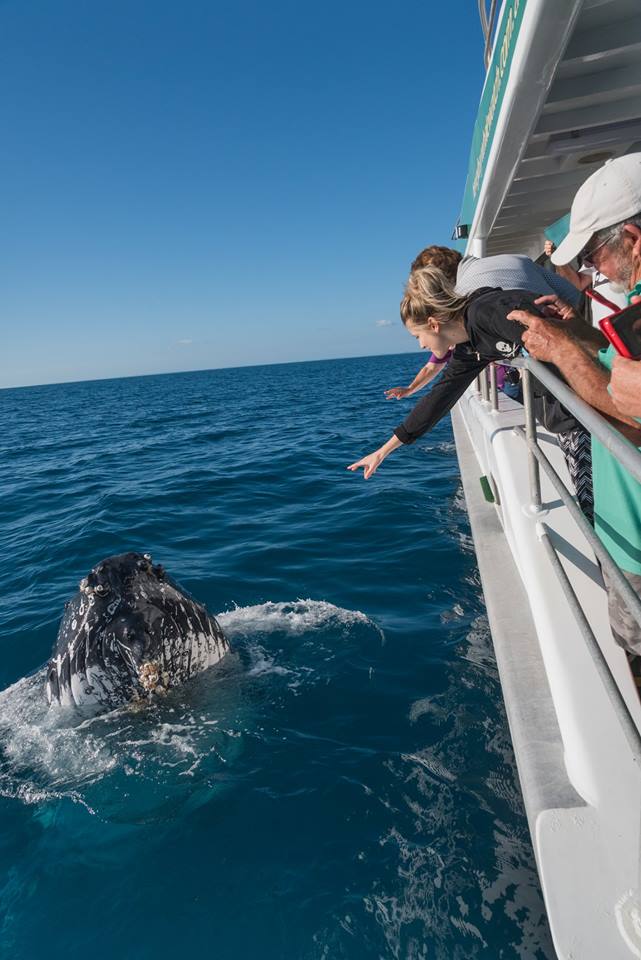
point(129, 632)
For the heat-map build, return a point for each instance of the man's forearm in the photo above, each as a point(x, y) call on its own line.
point(589, 380)
point(626, 386)
point(591, 339)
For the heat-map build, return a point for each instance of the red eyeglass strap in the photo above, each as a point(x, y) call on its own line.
point(603, 301)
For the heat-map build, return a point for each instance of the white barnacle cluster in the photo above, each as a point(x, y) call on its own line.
point(150, 677)
point(87, 591)
point(100, 589)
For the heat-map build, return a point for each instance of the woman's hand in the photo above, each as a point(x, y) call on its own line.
point(371, 463)
point(548, 248)
point(397, 393)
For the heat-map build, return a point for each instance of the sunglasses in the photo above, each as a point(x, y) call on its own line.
point(586, 256)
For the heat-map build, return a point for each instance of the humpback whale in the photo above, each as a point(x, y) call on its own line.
point(128, 633)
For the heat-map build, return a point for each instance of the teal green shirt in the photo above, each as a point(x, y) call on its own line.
point(617, 500)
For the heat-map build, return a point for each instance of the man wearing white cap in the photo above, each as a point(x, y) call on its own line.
point(605, 220)
point(605, 232)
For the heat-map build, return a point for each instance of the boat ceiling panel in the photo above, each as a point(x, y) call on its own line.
point(591, 112)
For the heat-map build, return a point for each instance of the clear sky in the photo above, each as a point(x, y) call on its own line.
point(212, 183)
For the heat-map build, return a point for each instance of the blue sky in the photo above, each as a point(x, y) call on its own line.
point(205, 184)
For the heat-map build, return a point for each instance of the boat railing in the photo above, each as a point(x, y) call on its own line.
point(488, 23)
point(627, 455)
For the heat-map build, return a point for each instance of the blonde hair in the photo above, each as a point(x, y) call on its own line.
point(429, 293)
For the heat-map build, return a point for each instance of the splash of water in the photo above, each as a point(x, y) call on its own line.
point(132, 763)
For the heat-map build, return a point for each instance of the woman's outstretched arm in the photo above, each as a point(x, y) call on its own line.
point(424, 376)
point(426, 414)
point(372, 461)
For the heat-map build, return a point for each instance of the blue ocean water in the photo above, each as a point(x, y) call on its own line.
point(342, 785)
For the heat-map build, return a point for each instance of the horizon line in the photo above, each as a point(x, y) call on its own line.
point(170, 373)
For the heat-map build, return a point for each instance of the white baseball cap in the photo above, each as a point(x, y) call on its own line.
point(607, 197)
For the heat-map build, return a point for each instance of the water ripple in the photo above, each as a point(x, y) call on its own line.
point(342, 785)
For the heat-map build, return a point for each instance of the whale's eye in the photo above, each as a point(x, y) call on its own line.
point(102, 589)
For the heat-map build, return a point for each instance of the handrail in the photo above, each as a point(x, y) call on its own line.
point(624, 451)
point(606, 676)
point(488, 22)
point(629, 457)
point(619, 446)
point(607, 563)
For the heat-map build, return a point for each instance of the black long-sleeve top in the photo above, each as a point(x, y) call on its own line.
point(491, 337)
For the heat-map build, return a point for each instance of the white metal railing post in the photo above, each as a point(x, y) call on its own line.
point(485, 390)
point(494, 396)
point(530, 432)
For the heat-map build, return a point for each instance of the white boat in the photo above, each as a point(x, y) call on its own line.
point(562, 94)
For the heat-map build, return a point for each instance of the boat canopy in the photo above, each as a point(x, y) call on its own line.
point(562, 95)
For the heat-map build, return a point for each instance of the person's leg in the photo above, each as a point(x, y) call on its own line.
point(625, 629)
point(577, 448)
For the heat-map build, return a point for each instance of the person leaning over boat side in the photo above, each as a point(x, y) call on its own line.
point(605, 231)
point(510, 272)
point(516, 272)
point(446, 260)
point(513, 271)
point(478, 329)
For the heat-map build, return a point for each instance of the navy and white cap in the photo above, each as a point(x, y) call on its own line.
point(607, 197)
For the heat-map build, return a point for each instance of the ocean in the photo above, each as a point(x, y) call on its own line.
point(342, 785)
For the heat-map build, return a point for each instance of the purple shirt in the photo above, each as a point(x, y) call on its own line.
point(434, 359)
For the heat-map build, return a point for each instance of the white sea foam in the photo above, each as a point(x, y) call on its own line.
point(34, 737)
point(297, 618)
point(49, 753)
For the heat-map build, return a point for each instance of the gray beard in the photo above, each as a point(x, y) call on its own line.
point(624, 273)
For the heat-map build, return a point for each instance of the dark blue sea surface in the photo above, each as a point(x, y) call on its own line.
point(342, 785)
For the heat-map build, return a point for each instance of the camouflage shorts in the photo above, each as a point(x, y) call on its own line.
point(625, 629)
